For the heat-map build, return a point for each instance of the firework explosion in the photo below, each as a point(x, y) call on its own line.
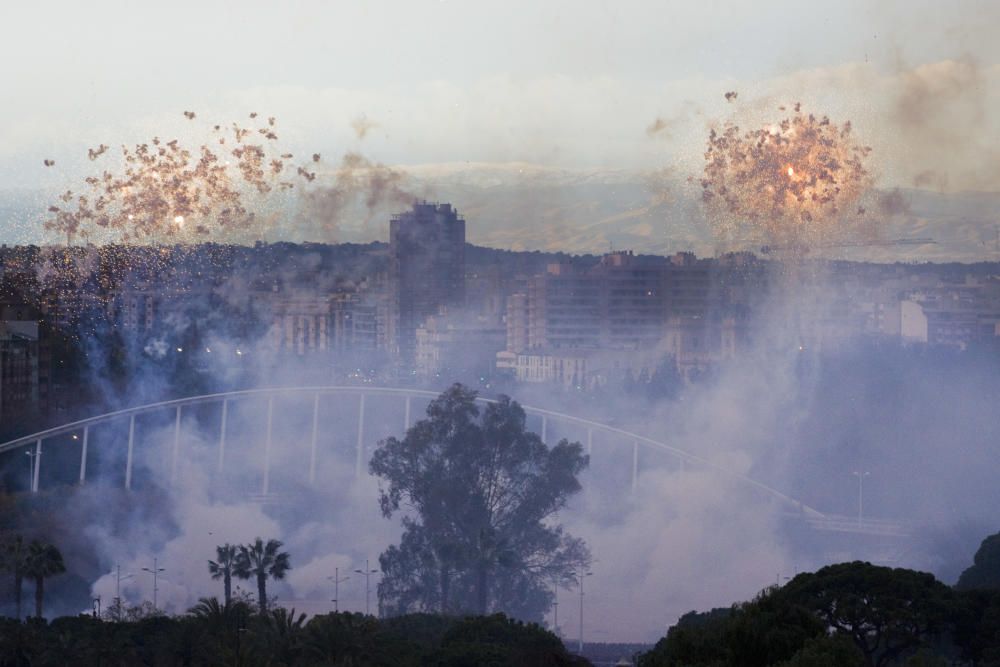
point(795, 184)
point(141, 219)
point(166, 191)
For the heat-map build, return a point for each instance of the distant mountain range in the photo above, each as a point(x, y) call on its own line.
point(530, 207)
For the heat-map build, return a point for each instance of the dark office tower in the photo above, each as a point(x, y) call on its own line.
point(426, 270)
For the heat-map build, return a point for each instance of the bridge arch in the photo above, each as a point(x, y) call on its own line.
point(82, 428)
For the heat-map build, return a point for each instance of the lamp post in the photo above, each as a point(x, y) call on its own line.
point(581, 577)
point(118, 590)
point(31, 470)
point(336, 588)
point(156, 573)
point(367, 573)
point(555, 608)
point(861, 474)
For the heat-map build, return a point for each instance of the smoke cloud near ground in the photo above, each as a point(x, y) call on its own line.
point(795, 412)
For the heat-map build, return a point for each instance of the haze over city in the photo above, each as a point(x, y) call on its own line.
point(631, 321)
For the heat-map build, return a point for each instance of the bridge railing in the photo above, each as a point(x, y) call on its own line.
point(82, 428)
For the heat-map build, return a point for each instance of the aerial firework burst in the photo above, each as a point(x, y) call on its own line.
point(794, 184)
point(142, 218)
point(165, 191)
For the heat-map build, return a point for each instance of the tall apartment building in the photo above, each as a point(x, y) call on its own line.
point(426, 271)
point(582, 325)
point(25, 364)
point(623, 302)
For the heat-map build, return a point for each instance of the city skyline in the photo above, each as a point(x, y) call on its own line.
point(682, 303)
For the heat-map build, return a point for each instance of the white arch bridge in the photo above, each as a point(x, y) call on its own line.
point(311, 397)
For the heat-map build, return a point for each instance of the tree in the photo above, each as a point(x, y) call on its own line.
point(696, 639)
point(985, 569)
point(888, 613)
point(342, 639)
point(224, 626)
point(482, 488)
point(759, 633)
point(261, 560)
point(976, 626)
point(222, 567)
point(835, 651)
point(498, 641)
point(14, 558)
point(280, 634)
point(44, 560)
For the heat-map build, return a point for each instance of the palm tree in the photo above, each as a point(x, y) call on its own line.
point(225, 624)
point(223, 567)
point(44, 560)
point(14, 559)
point(262, 560)
point(281, 634)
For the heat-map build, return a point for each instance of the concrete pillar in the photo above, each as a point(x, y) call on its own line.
point(315, 434)
point(37, 460)
point(406, 416)
point(266, 485)
point(177, 446)
point(222, 434)
point(545, 428)
point(131, 447)
point(590, 442)
point(359, 462)
point(83, 455)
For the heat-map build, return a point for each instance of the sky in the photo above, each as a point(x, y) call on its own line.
point(571, 85)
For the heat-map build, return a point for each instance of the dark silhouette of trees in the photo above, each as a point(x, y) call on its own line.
point(976, 626)
point(481, 487)
point(14, 559)
point(222, 567)
point(498, 640)
point(985, 569)
point(845, 615)
point(260, 560)
point(280, 633)
point(825, 651)
point(888, 613)
point(225, 626)
point(43, 561)
point(759, 633)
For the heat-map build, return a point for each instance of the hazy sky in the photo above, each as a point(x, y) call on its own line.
point(563, 83)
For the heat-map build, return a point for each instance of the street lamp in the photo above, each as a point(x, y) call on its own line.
point(861, 490)
point(367, 573)
point(156, 573)
point(336, 588)
point(118, 589)
point(581, 576)
point(31, 470)
point(555, 608)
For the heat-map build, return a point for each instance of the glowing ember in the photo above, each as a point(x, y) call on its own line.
point(752, 191)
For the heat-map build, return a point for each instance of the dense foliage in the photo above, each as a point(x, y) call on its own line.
point(844, 615)
point(985, 569)
point(36, 560)
point(216, 634)
point(482, 489)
